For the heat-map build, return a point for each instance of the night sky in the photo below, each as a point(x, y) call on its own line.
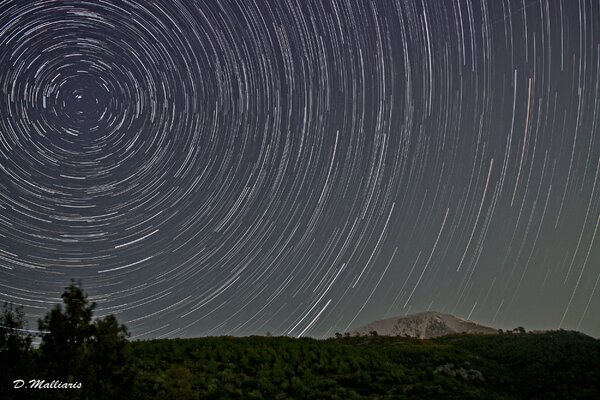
point(302, 167)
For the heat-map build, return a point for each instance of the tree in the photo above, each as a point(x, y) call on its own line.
point(14, 339)
point(66, 336)
point(16, 360)
point(109, 375)
point(76, 349)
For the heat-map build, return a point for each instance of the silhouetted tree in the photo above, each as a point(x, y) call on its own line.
point(16, 360)
point(108, 374)
point(68, 332)
point(75, 348)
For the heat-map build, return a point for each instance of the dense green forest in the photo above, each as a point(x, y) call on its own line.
point(95, 353)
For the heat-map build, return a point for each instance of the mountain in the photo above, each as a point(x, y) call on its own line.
point(423, 325)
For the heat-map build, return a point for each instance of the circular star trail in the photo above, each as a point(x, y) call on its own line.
point(301, 167)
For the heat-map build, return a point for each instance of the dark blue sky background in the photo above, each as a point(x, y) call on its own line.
point(302, 167)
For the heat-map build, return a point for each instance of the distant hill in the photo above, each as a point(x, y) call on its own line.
point(424, 325)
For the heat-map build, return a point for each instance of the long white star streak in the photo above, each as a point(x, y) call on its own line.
point(236, 167)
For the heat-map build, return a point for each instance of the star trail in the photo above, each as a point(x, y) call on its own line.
point(302, 167)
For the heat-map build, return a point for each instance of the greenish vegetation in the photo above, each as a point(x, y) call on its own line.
point(76, 348)
point(554, 365)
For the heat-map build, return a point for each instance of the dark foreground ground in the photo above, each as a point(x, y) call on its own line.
point(553, 365)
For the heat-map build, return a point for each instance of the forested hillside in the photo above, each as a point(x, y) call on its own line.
point(553, 365)
point(85, 358)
